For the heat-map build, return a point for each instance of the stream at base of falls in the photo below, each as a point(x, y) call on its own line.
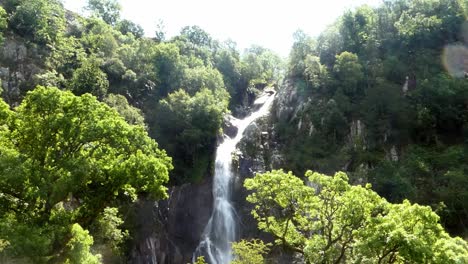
point(222, 228)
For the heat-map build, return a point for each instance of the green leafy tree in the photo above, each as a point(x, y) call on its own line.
point(249, 252)
point(41, 20)
point(203, 77)
point(357, 29)
point(168, 67)
point(107, 10)
point(348, 72)
point(79, 247)
point(197, 36)
point(334, 222)
point(131, 114)
point(227, 61)
point(316, 73)
point(126, 26)
point(200, 260)
point(303, 45)
point(106, 228)
point(187, 127)
point(261, 66)
point(3, 22)
point(100, 39)
point(63, 160)
point(89, 78)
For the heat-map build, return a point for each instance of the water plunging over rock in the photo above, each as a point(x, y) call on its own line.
point(221, 230)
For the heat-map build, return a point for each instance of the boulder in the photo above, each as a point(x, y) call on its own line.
point(229, 126)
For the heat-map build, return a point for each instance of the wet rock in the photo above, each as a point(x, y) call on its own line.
point(169, 231)
point(229, 126)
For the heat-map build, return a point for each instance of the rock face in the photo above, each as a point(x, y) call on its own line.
point(255, 155)
point(286, 101)
point(19, 62)
point(169, 231)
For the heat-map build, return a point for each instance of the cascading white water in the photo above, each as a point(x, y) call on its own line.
point(220, 231)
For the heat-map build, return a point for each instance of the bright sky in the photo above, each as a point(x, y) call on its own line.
point(268, 23)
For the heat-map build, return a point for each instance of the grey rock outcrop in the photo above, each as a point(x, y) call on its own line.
point(229, 127)
point(169, 231)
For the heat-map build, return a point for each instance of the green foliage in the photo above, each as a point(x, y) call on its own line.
point(196, 36)
point(66, 56)
point(227, 61)
point(202, 77)
point(79, 247)
point(302, 46)
point(3, 22)
point(106, 229)
point(107, 10)
point(348, 72)
point(89, 78)
point(41, 20)
point(382, 68)
point(249, 252)
point(187, 128)
point(261, 66)
point(316, 73)
point(168, 67)
point(126, 26)
point(200, 260)
point(63, 160)
point(100, 38)
point(334, 222)
point(131, 114)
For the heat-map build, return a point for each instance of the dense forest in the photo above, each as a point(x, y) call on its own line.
point(385, 98)
point(95, 116)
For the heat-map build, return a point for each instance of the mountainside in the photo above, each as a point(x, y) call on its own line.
point(382, 95)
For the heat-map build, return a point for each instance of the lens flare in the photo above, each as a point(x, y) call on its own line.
point(455, 60)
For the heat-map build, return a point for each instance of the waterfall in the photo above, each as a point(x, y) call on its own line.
point(221, 230)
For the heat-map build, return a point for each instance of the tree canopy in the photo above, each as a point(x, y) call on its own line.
point(381, 93)
point(63, 160)
point(328, 220)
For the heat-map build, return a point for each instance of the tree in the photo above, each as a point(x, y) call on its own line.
point(3, 22)
point(315, 73)
point(107, 10)
point(89, 78)
point(126, 26)
point(131, 114)
point(249, 252)
point(348, 72)
point(160, 32)
point(227, 61)
point(261, 66)
point(41, 20)
point(100, 39)
point(168, 67)
point(302, 47)
point(63, 160)
point(197, 36)
point(334, 222)
point(195, 79)
point(187, 127)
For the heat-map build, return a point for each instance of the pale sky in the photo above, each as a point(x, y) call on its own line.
point(268, 23)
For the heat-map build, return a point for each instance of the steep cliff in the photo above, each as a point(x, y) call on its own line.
point(169, 231)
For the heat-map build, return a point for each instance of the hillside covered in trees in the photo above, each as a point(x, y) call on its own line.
point(382, 94)
point(95, 116)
